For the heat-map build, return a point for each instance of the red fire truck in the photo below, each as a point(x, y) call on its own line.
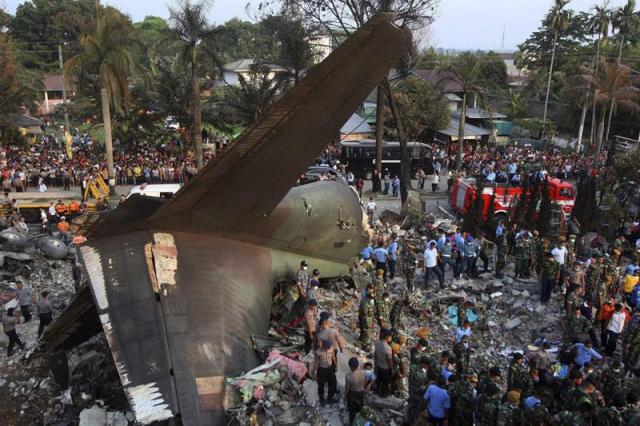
point(463, 192)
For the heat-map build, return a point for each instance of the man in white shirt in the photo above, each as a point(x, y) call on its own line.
point(371, 209)
point(431, 264)
point(616, 325)
point(559, 254)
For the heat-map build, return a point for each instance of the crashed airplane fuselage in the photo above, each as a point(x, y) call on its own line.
point(180, 287)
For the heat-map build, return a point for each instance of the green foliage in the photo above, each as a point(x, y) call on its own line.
point(105, 59)
point(518, 105)
point(422, 110)
point(543, 222)
point(494, 70)
point(39, 25)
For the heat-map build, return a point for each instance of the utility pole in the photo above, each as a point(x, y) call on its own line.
point(67, 127)
point(504, 30)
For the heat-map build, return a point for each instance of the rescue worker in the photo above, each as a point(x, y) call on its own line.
point(9, 322)
point(310, 325)
point(501, 254)
point(419, 379)
point(366, 316)
point(397, 371)
point(548, 277)
point(488, 406)
point(381, 306)
point(522, 252)
point(45, 314)
point(24, 296)
point(354, 389)
point(463, 399)
point(324, 366)
point(410, 264)
point(383, 362)
point(509, 413)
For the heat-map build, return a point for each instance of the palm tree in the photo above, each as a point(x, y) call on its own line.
point(614, 84)
point(557, 21)
point(600, 23)
point(627, 21)
point(255, 93)
point(105, 51)
point(190, 28)
point(465, 69)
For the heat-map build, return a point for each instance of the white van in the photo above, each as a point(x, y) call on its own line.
point(164, 190)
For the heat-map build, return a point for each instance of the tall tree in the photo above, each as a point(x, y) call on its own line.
point(627, 23)
point(106, 53)
point(544, 214)
point(190, 28)
point(613, 84)
point(599, 24)
point(466, 69)
point(422, 110)
point(557, 21)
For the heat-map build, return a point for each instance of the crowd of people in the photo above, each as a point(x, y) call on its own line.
point(47, 164)
point(592, 379)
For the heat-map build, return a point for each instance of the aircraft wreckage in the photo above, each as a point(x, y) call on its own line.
point(179, 287)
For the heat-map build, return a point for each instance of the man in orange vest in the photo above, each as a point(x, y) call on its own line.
point(63, 227)
point(60, 208)
point(74, 207)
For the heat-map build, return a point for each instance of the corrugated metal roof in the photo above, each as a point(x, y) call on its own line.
point(470, 131)
point(479, 113)
point(356, 124)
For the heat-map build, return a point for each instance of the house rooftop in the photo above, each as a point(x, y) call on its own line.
point(356, 124)
point(470, 131)
point(246, 65)
point(479, 113)
point(443, 80)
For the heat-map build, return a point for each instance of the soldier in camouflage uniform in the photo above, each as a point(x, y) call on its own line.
point(613, 415)
point(523, 256)
point(381, 305)
point(397, 372)
point(366, 316)
point(462, 400)
point(510, 413)
point(461, 351)
point(378, 282)
point(418, 382)
point(396, 312)
point(582, 417)
point(538, 255)
point(577, 327)
point(409, 265)
point(631, 343)
point(488, 406)
point(573, 298)
point(550, 273)
point(534, 412)
point(571, 250)
point(592, 280)
point(501, 254)
point(517, 372)
point(612, 381)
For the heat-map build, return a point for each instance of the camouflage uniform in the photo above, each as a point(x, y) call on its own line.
point(631, 415)
point(570, 418)
point(548, 279)
point(509, 415)
point(536, 416)
point(409, 263)
point(501, 254)
point(461, 403)
point(382, 312)
point(538, 253)
point(631, 343)
point(516, 375)
point(462, 357)
point(378, 283)
point(576, 328)
point(487, 411)
point(592, 280)
point(365, 316)
point(612, 380)
point(397, 373)
point(395, 315)
point(610, 416)
point(418, 381)
point(523, 257)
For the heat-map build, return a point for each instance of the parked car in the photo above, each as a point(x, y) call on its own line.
point(317, 173)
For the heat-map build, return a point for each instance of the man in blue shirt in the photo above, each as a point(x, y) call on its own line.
point(631, 268)
point(392, 251)
point(366, 253)
point(438, 402)
point(380, 255)
point(458, 239)
point(585, 353)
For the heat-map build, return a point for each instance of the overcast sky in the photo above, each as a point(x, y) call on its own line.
point(460, 24)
